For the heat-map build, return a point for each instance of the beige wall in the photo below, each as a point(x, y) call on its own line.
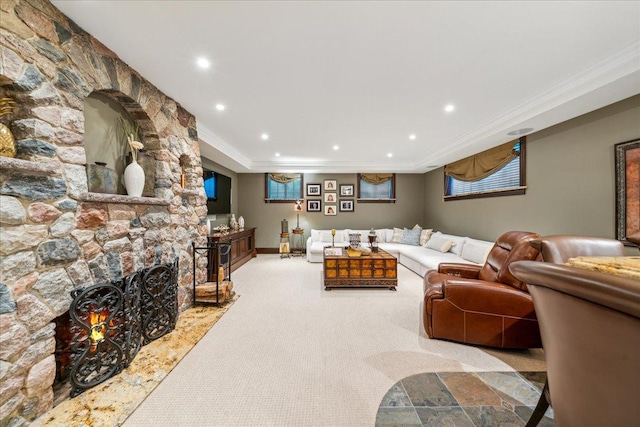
point(406, 212)
point(570, 180)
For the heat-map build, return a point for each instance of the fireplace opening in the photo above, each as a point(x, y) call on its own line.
point(108, 323)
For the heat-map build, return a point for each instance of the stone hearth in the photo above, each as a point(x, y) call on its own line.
point(110, 403)
point(55, 236)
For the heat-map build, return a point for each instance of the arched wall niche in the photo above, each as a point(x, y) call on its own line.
point(191, 171)
point(102, 136)
point(105, 140)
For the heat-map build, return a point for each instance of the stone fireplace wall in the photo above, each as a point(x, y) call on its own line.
point(55, 236)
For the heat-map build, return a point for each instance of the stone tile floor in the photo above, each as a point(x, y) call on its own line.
point(463, 399)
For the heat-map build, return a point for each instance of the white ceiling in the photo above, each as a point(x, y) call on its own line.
point(365, 75)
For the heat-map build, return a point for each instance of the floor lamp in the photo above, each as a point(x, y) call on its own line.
point(298, 209)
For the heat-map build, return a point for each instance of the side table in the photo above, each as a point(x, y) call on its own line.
point(297, 242)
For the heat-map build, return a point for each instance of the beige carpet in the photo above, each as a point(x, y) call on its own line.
point(289, 353)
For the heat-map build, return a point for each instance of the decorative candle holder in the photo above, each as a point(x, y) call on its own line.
point(373, 244)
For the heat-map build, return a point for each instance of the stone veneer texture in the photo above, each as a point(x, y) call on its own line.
point(56, 237)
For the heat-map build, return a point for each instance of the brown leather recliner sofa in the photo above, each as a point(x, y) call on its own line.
point(484, 305)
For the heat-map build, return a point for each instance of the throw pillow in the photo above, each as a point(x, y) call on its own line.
point(388, 235)
point(458, 240)
point(439, 244)
point(397, 235)
point(411, 237)
point(425, 235)
point(475, 253)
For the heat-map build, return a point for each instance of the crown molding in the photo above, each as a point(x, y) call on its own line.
point(615, 67)
point(323, 166)
point(211, 138)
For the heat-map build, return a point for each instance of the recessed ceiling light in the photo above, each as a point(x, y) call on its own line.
point(277, 154)
point(390, 155)
point(449, 108)
point(220, 107)
point(520, 131)
point(203, 63)
point(412, 136)
point(264, 136)
point(336, 148)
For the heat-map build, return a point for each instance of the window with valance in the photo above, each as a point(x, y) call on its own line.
point(283, 187)
point(499, 171)
point(380, 187)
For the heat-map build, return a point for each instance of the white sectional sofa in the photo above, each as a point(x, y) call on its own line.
point(419, 258)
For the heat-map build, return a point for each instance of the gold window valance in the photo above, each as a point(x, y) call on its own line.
point(376, 178)
point(284, 178)
point(481, 165)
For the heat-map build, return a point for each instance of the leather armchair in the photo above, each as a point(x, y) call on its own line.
point(635, 238)
point(590, 325)
point(559, 248)
point(484, 305)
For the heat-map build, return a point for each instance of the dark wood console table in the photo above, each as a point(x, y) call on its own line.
point(243, 248)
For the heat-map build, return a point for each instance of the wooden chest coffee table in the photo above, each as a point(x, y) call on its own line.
point(375, 270)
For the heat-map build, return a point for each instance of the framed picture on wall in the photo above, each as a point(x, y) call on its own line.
point(313, 205)
point(346, 190)
point(346, 205)
point(330, 197)
point(313, 190)
point(330, 184)
point(627, 189)
point(330, 210)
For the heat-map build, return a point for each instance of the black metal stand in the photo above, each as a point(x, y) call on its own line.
point(220, 251)
point(297, 242)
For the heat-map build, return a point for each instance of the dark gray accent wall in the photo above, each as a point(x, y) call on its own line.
point(406, 212)
point(570, 180)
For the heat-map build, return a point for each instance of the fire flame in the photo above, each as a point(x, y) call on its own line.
point(98, 327)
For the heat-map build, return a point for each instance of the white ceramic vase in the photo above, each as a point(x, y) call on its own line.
point(134, 179)
point(241, 223)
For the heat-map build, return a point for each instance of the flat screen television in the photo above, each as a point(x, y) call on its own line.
point(218, 190)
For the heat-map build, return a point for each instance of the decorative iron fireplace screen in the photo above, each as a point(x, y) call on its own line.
point(159, 295)
point(108, 323)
